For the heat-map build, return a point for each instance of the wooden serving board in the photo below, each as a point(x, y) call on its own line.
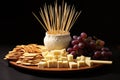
point(35, 68)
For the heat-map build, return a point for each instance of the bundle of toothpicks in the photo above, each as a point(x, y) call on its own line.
point(57, 19)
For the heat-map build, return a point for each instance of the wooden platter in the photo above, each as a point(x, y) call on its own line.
point(35, 68)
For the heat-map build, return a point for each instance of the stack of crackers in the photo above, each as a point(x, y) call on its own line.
point(29, 54)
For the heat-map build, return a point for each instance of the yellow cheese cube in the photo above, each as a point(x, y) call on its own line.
point(49, 63)
point(81, 63)
point(59, 64)
point(82, 58)
point(65, 64)
point(73, 65)
point(88, 61)
point(78, 58)
point(70, 57)
point(42, 65)
point(49, 57)
point(64, 58)
point(52, 63)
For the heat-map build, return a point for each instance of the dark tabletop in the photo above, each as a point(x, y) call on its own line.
point(106, 72)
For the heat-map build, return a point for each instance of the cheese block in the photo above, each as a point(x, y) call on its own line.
point(65, 64)
point(49, 57)
point(42, 64)
point(73, 65)
point(52, 63)
point(70, 57)
point(81, 64)
point(54, 54)
point(80, 58)
point(59, 64)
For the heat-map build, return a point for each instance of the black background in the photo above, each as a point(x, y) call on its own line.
point(19, 26)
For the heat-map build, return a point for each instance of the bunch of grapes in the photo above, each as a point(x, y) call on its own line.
point(89, 46)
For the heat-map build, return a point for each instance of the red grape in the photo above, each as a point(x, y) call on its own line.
point(81, 45)
point(74, 42)
point(80, 52)
point(102, 43)
point(74, 54)
point(79, 38)
point(92, 44)
point(97, 54)
point(83, 35)
point(89, 46)
point(75, 47)
point(69, 49)
point(106, 54)
point(74, 37)
point(105, 49)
